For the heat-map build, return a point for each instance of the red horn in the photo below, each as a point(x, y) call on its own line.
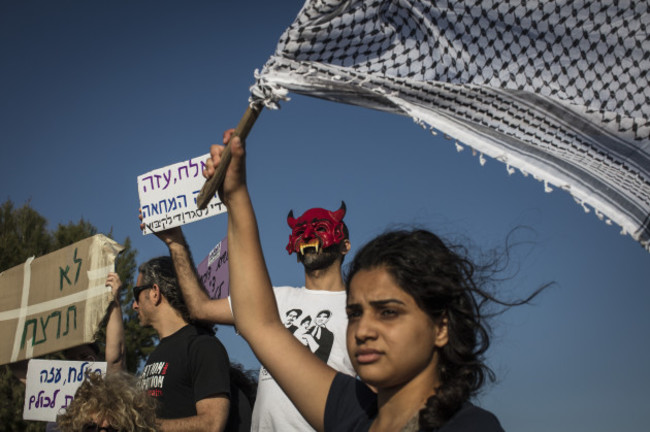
point(340, 213)
point(290, 219)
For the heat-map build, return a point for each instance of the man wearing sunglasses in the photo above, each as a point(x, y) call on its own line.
point(188, 372)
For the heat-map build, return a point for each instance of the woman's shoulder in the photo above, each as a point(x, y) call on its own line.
point(351, 405)
point(471, 418)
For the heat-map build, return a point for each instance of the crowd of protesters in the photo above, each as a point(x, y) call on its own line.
point(396, 343)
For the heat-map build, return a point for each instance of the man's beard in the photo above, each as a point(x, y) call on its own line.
point(318, 261)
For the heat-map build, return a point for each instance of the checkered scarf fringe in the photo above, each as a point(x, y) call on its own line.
point(556, 89)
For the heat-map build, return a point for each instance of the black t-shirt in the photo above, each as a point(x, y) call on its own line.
point(352, 406)
point(186, 367)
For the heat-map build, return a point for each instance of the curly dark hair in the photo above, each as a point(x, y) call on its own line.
point(115, 397)
point(445, 284)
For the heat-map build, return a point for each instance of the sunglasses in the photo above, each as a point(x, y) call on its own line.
point(94, 427)
point(138, 289)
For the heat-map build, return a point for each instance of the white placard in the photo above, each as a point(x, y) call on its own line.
point(168, 195)
point(51, 385)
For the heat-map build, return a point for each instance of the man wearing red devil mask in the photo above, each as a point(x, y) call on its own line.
point(315, 313)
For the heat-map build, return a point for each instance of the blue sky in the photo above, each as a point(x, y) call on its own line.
point(94, 93)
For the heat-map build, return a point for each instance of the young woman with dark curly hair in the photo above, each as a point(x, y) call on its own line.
point(416, 331)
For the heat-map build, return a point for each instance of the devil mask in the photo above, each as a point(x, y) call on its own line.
point(317, 228)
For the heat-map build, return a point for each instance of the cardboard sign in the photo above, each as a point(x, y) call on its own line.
point(52, 384)
point(55, 301)
point(213, 271)
point(168, 195)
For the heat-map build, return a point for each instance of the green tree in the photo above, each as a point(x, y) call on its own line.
point(65, 235)
point(23, 233)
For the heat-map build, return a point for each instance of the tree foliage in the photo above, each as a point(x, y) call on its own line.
point(24, 233)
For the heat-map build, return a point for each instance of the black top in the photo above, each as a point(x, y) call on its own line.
point(188, 366)
point(352, 407)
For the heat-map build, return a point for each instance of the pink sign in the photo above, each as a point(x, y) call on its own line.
point(213, 271)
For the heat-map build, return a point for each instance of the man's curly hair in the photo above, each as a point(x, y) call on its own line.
point(115, 397)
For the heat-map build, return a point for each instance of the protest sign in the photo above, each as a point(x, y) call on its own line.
point(52, 384)
point(55, 301)
point(213, 271)
point(168, 195)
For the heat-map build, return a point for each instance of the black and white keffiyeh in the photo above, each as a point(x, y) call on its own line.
point(555, 89)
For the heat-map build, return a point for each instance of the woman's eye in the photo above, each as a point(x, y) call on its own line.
point(353, 314)
point(388, 313)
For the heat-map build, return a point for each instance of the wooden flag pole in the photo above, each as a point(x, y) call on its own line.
point(213, 183)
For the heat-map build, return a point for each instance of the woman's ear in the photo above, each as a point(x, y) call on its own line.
point(442, 333)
